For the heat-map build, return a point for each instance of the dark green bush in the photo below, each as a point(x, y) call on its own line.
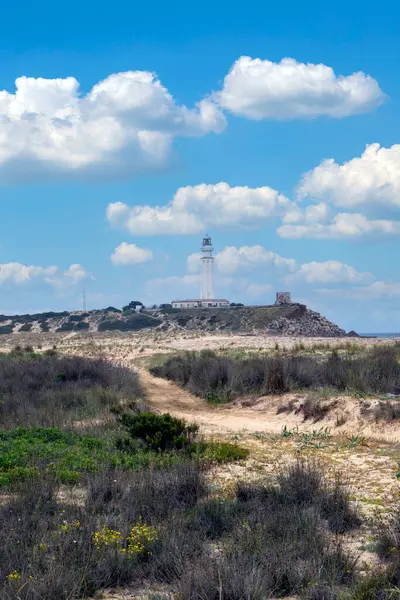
point(112, 309)
point(67, 326)
point(159, 432)
point(81, 326)
point(44, 326)
point(6, 329)
point(133, 322)
point(169, 310)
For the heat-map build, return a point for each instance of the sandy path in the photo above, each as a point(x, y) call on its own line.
point(261, 417)
point(166, 396)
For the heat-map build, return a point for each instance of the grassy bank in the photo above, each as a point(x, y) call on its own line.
point(221, 378)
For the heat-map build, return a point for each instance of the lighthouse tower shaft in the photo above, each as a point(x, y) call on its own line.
point(207, 269)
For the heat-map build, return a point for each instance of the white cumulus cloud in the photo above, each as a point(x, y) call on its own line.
point(126, 122)
point(76, 273)
point(314, 213)
point(195, 208)
point(369, 183)
point(330, 271)
point(261, 89)
point(130, 254)
point(232, 259)
point(20, 274)
point(245, 258)
point(371, 179)
point(341, 226)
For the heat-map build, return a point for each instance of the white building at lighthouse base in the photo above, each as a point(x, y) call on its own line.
point(209, 303)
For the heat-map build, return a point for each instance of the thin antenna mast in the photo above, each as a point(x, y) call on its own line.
point(84, 299)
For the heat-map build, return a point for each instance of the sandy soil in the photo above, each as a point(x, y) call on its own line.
point(149, 342)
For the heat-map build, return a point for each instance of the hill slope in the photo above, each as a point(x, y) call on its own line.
point(293, 319)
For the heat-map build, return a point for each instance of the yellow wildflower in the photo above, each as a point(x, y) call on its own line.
point(14, 576)
point(106, 537)
point(140, 538)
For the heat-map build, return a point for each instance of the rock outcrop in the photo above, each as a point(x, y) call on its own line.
point(309, 324)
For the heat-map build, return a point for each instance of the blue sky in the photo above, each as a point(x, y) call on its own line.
point(136, 128)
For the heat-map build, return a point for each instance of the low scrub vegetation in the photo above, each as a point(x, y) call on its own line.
point(388, 410)
point(311, 408)
point(129, 501)
point(165, 527)
point(219, 378)
point(133, 322)
point(51, 390)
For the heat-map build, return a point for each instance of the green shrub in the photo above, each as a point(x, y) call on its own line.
point(6, 329)
point(218, 397)
point(67, 326)
point(159, 432)
point(112, 309)
point(133, 322)
point(81, 326)
point(222, 452)
point(44, 326)
point(173, 437)
point(169, 310)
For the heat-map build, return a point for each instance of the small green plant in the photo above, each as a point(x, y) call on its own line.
point(222, 452)
point(217, 397)
point(357, 440)
point(307, 439)
point(288, 433)
point(262, 437)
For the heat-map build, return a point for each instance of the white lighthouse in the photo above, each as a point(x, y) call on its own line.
point(207, 299)
point(207, 270)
